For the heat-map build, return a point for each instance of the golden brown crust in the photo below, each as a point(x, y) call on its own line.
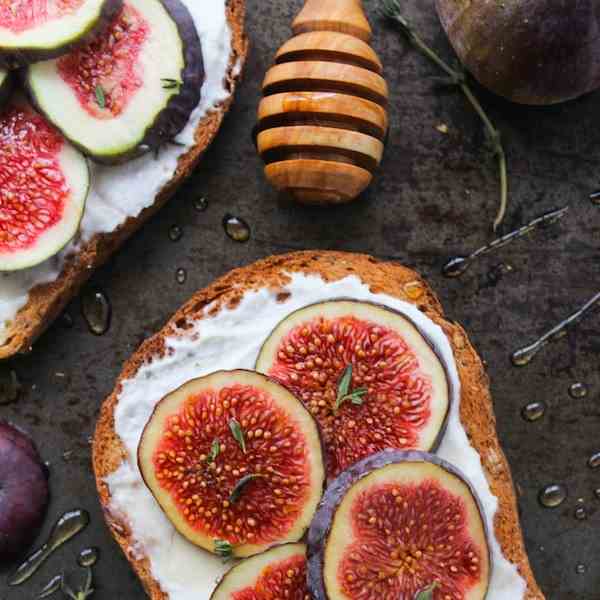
point(47, 301)
point(476, 411)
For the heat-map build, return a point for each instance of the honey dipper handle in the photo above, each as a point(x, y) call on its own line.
point(345, 16)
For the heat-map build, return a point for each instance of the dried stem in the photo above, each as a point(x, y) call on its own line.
point(391, 9)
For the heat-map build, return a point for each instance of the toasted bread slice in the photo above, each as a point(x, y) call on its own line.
point(476, 410)
point(46, 301)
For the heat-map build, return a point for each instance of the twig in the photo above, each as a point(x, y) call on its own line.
point(391, 10)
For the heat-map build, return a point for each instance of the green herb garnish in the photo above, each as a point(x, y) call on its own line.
point(223, 549)
point(456, 77)
point(236, 492)
point(100, 96)
point(171, 84)
point(427, 593)
point(85, 592)
point(215, 450)
point(344, 393)
point(238, 434)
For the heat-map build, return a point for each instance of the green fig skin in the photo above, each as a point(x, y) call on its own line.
point(534, 52)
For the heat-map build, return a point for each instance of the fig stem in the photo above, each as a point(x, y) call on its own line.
point(391, 10)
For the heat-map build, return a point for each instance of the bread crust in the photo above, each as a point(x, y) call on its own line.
point(476, 409)
point(46, 301)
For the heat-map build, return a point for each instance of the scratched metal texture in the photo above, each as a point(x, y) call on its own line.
point(435, 197)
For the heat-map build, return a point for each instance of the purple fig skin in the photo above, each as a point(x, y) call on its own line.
point(176, 114)
point(529, 51)
point(318, 533)
point(14, 59)
point(24, 492)
point(6, 88)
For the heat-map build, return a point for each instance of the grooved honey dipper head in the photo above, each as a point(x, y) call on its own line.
point(322, 120)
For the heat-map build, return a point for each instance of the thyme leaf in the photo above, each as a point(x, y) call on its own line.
point(170, 84)
point(215, 450)
point(238, 434)
point(223, 549)
point(391, 9)
point(100, 96)
point(236, 492)
point(82, 594)
point(344, 393)
point(427, 593)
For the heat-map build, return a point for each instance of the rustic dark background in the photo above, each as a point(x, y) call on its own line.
point(435, 197)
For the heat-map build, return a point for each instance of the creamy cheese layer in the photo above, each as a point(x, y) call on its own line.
point(120, 192)
point(232, 339)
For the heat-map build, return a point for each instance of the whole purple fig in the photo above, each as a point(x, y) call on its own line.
point(23, 492)
point(529, 51)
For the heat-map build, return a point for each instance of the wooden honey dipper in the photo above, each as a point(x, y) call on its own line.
point(322, 119)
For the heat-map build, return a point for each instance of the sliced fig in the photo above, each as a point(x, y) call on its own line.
point(6, 86)
point(23, 491)
point(44, 183)
point(367, 375)
point(235, 462)
point(278, 574)
point(131, 89)
point(32, 30)
point(397, 524)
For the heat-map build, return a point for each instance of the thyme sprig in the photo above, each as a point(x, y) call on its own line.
point(236, 492)
point(85, 592)
point(392, 11)
point(223, 549)
point(344, 393)
point(238, 434)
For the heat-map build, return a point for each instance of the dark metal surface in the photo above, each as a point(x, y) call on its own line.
point(435, 197)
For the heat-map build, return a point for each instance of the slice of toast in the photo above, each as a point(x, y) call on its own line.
point(46, 301)
point(476, 410)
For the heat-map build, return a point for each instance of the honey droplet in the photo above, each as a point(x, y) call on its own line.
point(67, 526)
point(553, 495)
point(413, 290)
point(88, 557)
point(456, 266)
point(533, 411)
point(595, 198)
point(175, 233)
point(201, 204)
point(236, 228)
point(181, 276)
point(581, 513)
point(96, 310)
point(50, 588)
point(578, 390)
point(594, 461)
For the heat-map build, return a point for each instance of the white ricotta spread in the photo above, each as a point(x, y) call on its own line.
point(120, 192)
point(232, 339)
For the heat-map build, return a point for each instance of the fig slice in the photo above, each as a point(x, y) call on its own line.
point(44, 183)
point(278, 574)
point(131, 89)
point(33, 30)
point(235, 462)
point(397, 524)
point(398, 392)
point(23, 491)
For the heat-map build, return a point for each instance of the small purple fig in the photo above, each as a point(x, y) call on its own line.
point(23, 492)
